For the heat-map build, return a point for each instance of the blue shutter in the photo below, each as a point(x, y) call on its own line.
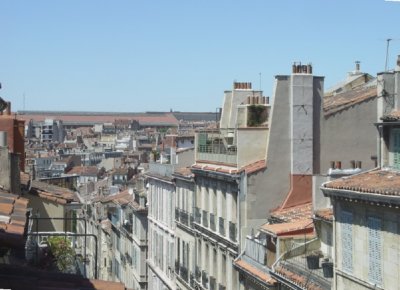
point(374, 251)
point(347, 241)
point(396, 148)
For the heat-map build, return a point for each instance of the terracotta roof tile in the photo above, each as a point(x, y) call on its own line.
point(347, 99)
point(304, 226)
point(393, 116)
point(255, 271)
point(326, 214)
point(185, 171)
point(378, 181)
point(294, 213)
point(51, 192)
point(223, 168)
point(297, 279)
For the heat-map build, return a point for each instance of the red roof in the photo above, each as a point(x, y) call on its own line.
point(248, 169)
point(84, 170)
point(13, 219)
point(262, 275)
point(299, 227)
point(294, 213)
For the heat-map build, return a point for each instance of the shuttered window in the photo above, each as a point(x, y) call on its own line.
point(347, 241)
point(374, 250)
point(395, 148)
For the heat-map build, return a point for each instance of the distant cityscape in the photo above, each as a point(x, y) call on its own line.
point(297, 190)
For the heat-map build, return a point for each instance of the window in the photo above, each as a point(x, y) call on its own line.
point(395, 148)
point(374, 250)
point(347, 241)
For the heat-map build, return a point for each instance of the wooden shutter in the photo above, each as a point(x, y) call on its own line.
point(396, 148)
point(347, 241)
point(374, 251)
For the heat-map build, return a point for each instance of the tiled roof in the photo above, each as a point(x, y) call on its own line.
point(378, 181)
point(299, 212)
point(13, 219)
point(84, 170)
point(24, 277)
point(304, 226)
point(297, 279)
point(345, 100)
point(249, 169)
point(261, 275)
point(184, 171)
point(393, 116)
point(325, 214)
point(54, 193)
point(122, 198)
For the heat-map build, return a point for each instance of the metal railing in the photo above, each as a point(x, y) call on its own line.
point(197, 215)
point(212, 222)
point(232, 232)
point(221, 226)
point(204, 279)
point(197, 273)
point(177, 215)
point(184, 217)
point(213, 283)
point(183, 273)
point(205, 219)
point(221, 287)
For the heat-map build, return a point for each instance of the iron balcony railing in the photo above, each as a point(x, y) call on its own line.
point(197, 215)
point(222, 226)
point(191, 280)
point(232, 232)
point(205, 219)
point(177, 214)
point(212, 222)
point(204, 279)
point(197, 273)
point(213, 283)
point(221, 287)
point(177, 267)
point(184, 217)
point(183, 273)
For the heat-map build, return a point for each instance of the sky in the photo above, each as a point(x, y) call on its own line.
point(181, 55)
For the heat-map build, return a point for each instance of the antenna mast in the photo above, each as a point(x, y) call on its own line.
point(387, 52)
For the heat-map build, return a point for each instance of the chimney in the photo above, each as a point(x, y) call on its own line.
point(357, 66)
point(353, 164)
point(3, 139)
point(338, 165)
point(8, 109)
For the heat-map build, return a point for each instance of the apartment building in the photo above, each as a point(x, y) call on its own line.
point(185, 240)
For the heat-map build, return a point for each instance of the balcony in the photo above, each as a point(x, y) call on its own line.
point(212, 222)
point(221, 226)
point(184, 218)
point(177, 267)
point(184, 273)
point(213, 283)
point(304, 260)
point(191, 280)
point(197, 273)
point(221, 287)
point(197, 215)
point(217, 146)
point(205, 219)
point(232, 232)
point(177, 214)
point(204, 279)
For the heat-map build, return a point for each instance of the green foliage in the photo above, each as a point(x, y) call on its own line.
point(256, 115)
point(60, 248)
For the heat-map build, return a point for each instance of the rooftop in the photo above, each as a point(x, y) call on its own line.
point(377, 181)
point(393, 116)
point(340, 102)
point(303, 226)
point(325, 214)
point(299, 212)
point(50, 192)
point(254, 271)
point(13, 219)
point(248, 169)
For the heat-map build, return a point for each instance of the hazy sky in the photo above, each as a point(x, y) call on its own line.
point(157, 55)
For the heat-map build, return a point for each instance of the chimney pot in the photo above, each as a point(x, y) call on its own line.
point(338, 165)
point(353, 164)
point(359, 164)
point(332, 164)
point(357, 66)
point(8, 109)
